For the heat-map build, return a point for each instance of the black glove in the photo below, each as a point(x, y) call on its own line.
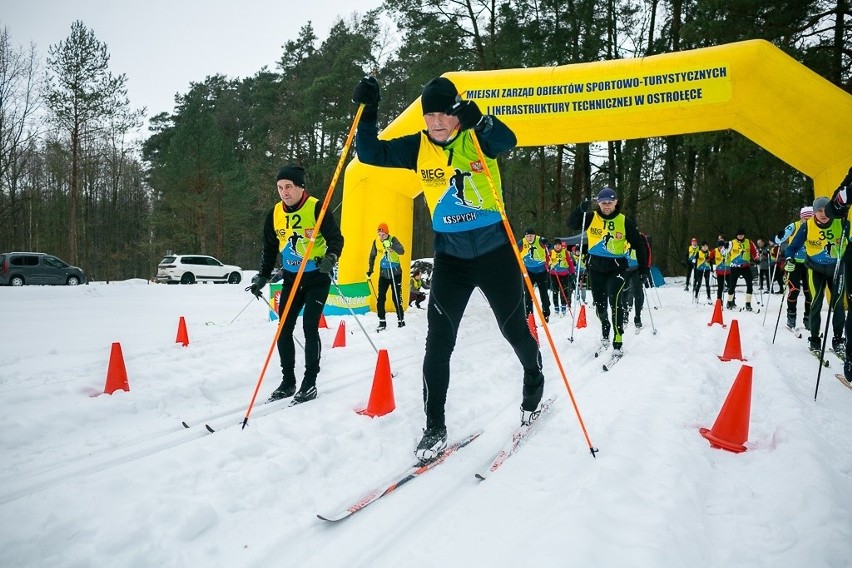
point(367, 93)
point(369, 273)
point(789, 265)
point(468, 114)
point(584, 206)
point(326, 263)
point(257, 287)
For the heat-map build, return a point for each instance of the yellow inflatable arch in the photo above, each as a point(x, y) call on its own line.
point(751, 87)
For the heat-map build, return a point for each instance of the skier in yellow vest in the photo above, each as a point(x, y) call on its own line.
point(286, 232)
point(690, 255)
point(534, 254)
point(609, 232)
point(416, 295)
point(797, 279)
point(390, 274)
point(838, 208)
point(471, 246)
point(741, 254)
point(824, 243)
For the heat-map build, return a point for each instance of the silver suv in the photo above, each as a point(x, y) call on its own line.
point(192, 268)
point(19, 268)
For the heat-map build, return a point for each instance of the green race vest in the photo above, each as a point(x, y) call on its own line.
point(294, 232)
point(607, 237)
point(455, 185)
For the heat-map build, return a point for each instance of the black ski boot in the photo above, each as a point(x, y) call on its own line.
point(434, 442)
point(814, 346)
point(284, 390)
point(383, 325)
point(847, 370)
point(791, 321)
point(838, 345)
point(532, 393)
point(306, 392)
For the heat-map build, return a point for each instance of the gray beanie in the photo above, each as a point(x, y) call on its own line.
point(820, 203)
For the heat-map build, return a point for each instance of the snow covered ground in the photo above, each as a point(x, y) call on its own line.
point(117, 480)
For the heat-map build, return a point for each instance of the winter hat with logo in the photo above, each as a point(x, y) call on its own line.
point(439, 95)
point(383, 227)
point(607, 194)
point(806, 212)
point(292, 172)
point(820, 203)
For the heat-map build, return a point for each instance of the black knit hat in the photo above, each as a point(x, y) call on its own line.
point(439, 95)
point(292, 172)
point(529, 231)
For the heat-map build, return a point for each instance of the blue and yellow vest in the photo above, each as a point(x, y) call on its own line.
point(702, 260)
point(607, 237)
point(824, 246)
point(294, 232)
point(559, 262)
point(455, 185)
point(740, 253)
point(533, 254)
point(389, 261)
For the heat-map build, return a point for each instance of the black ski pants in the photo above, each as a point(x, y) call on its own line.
point(498, 276)
point(311, 295)
point(561, 287)
point(540, 280)
point(819, 282)
point(699, 276)
point(796, 281)
point(606, 290)
point(395, 284)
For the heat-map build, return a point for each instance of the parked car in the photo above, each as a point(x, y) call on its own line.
point(192, 268)
point(20, 268)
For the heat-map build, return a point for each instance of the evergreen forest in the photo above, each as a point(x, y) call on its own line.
point(81, 180)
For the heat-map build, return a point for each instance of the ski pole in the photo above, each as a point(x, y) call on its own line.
point(500, 208)
point(650, 314)
point(296, 339)
point(372, 288)
point(769, 296)
point(396, 293)
point(579, 262)
point(780, 308)
point(354, 315)
point(307, 254)
point(242, 310)
point(837, 280)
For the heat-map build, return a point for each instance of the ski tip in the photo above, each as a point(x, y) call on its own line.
point(479, 476)
point(185, 425)
point(209, 429)
point(329, 518)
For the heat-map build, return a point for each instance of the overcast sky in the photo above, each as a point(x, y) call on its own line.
point(163, 45)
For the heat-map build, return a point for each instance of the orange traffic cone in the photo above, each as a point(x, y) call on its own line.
point(116, 378)
point(182, 335)
point(730, 430)
point(717, 314)
point(381, 397)
point(531, 325)
point(322, 323)
point(732, 346)
point(581, 319)
point(340, 338)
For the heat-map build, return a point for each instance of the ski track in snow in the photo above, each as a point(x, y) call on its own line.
point(120, 475)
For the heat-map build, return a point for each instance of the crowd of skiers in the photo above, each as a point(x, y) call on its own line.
point(455, 155)
point(810, 256)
